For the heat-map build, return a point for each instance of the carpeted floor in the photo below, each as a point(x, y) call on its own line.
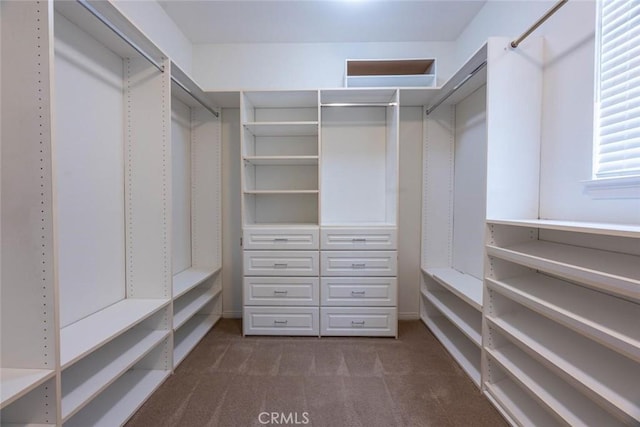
point(229, 380)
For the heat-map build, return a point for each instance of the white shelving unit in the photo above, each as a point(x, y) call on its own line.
point(359, 211)
point(196, 214)
point(568, 339)
point(280, 209)
point(87, 334)
point(280, 152)
point(28, 323)
point(468, 152)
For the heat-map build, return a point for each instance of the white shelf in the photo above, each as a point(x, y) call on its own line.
point(190, 334)
point(281, 192)
point(189, 304)
point(281, 160)
point(82, 337)
point(621, 230)
point(609, 320)
point(518, 405)
point(579, 361)
point(15, 383)
point(465, 318)
point(357, 96)
point(86, 379)
point(120, 401)
point(608, 271)
point(190, 278)
point(560, 398)
point(464, 352)
point(463, 285)
point(396, 80)
point(282, 128)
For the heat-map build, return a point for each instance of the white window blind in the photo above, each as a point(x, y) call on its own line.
point(617, 148)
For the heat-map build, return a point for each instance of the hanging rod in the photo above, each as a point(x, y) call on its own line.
point(360, 104)
point(138, 49)
point(194, 96)
point(456, 87)
point(554, 9)
point(120, 34)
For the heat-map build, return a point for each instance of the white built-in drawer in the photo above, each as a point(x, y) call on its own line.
point(281, 321)
point(372, 321)
point(281, 238)
point(281, 291)
point(281, 263)
point(358, 238)
point(359, 263)
point(359, 291)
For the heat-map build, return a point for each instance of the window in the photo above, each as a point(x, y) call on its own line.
point(617, 121)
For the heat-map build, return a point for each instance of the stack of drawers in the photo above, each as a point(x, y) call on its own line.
point(281, 284)
point(358, 286)
point(307, 281)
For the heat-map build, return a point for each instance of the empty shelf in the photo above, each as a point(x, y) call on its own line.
point(607, 319)
point(621, 230)
point(559, 397)
point(88, 377)
point(281, 160)
point(608, 271)
point(465, 286)
point(15, 383)
point(458, 345)
point(579, 361)
point(120, 401)
point(281, 192)
point(82, 337)
point(189, 304)
point(518, 405)
point(190, 334)
point(282, 128)
point(465, 318)
point(190, 278)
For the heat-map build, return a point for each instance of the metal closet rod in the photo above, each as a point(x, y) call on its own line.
point(359, 104)
point(554, 9)
point(138, 49)
point(194, 96)
point(456, 87)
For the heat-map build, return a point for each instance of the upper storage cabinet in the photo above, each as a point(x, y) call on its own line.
point(359, 157)
point(390, 72)
point(280, 153)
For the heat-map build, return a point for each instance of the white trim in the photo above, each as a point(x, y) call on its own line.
point(627, 187)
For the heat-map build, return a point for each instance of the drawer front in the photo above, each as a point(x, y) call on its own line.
point(358, 238)
point(281, 290)
point(273, 238)
point(359, 263)
point(281, 321)
point(281, 263)
point(359, 291)
point(358, 321)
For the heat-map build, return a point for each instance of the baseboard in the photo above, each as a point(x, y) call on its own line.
point(409, 316)
point(232, 314)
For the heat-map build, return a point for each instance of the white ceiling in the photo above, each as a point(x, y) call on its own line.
point(309, 21)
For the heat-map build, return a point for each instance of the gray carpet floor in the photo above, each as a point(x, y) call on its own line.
point(229, 380)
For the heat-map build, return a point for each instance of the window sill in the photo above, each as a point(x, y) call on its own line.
point(613, 188)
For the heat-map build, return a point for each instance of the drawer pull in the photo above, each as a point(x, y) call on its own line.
point(359, 324)
point(359, 265)
point(280, 322)
point(280, 265)
point(280, 292)
point(358, 240)
point(280, 239)
point(357, 293)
